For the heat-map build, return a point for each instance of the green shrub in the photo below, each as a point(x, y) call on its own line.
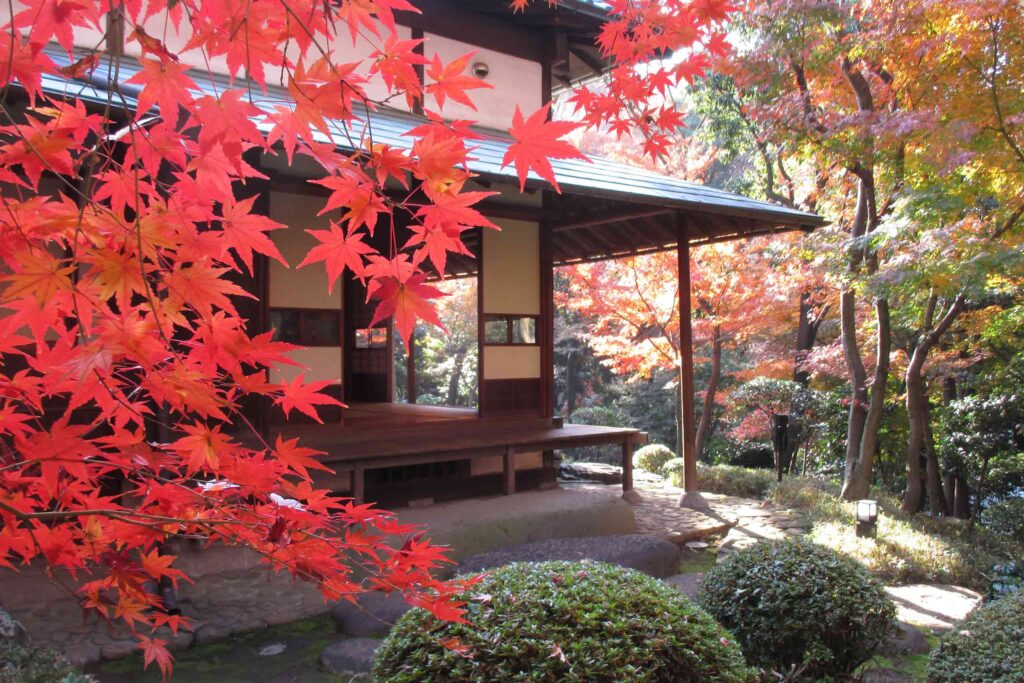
point(564, 621)
point(985, 647)
point(1007, 579)
point(732, 481)
point(652, 458)
point(796, 606)
point(673, 469)
point(20, 663)
point(1005, 518)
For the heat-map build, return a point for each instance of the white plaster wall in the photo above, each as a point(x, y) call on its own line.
point(511, 362)
point(511, 260)
point(320, 363)
point(295, 287)
point(515, 81)
point(302, 287)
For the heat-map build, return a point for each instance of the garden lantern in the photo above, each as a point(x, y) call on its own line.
point(867, 517)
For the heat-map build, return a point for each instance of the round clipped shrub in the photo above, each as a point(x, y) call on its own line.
point(564, 621)
point(985, 647)
point(653, 457)
point(799, 608)
point(673, 468)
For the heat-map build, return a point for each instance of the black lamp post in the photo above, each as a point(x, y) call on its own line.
point(867, 518)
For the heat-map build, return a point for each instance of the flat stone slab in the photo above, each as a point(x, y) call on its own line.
point(591, 471)
point(649, 555)
point(934, 606)
point(908, 641)
point(350, 656)
point(374, 615)
point(687, 584)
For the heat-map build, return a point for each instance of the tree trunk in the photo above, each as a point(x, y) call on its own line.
point(453, 382)
point(962, 499)
point(949, 489)
point(571, 382)
point(708, 409)
point(913, 495)
point(918, 414)
point(806, 335)
point(933, 471)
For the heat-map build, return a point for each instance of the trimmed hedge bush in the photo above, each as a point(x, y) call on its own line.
point(653, 458)
point(730, 481)
point(799, 607)
point(1005, 518)
point(985, 647)
point(564, 621)
point(21, 663)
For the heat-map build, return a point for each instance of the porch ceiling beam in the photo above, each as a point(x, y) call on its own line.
point(605, 220)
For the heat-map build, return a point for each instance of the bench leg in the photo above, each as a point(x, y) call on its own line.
point(628, 494)
point(508, 471)
point(358, 485)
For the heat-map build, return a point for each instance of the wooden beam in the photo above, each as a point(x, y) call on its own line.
point(615, 218)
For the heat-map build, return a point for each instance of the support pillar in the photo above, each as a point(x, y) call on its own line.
point(691, 497)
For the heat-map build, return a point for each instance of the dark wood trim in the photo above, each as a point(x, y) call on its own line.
point(546, 323)
point(687, 397)
point(512, 396)
point(515, 212)
point(302, 341)
point(481, 411)
point(416, 33)
point(410, 369)
point(443, 19)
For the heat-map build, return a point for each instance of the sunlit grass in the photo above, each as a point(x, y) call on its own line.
point(907, 548)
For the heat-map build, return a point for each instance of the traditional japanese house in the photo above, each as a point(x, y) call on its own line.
point(396, 452)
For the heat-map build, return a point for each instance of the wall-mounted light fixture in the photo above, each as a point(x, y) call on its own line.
point(481, 70)
point(867, 518)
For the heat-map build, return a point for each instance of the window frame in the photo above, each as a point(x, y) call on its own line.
point(304, 338)
point(509, 320)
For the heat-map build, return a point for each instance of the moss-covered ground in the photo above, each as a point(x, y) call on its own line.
point(237, 659)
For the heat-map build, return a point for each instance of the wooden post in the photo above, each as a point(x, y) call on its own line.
point(358, 485)
point(410, 369)
point(508, 471)
point(691, 489)
point(628, 494)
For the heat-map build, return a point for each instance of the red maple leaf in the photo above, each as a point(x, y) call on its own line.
point(338, 251)
point(298, 395)
point(246, 232)
point(165, 85)
point(406, 299)
point(536, 141)
point(450, 81)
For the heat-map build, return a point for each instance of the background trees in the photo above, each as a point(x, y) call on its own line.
point(902, 124)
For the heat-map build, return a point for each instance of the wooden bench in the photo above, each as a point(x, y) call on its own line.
point(357, 452)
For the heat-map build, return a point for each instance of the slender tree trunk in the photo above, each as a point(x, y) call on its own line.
point(456, 378)
point(961, 499)
point(918, 414)
point(933, 471)
point(806, 336)
point(571, 382)
point(913, 496)
point(708, 409)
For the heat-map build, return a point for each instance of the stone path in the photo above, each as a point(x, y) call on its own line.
point(740, 521)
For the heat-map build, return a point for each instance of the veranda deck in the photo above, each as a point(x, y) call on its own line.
point(390, 444)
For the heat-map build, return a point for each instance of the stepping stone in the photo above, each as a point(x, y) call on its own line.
point(687, 584)
point(350, 656)
point(374, 615)
point(933, 606)
point(272, 649)
point(696, 545)
point(591, 471)
point(653, 556)
point(909, 641)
